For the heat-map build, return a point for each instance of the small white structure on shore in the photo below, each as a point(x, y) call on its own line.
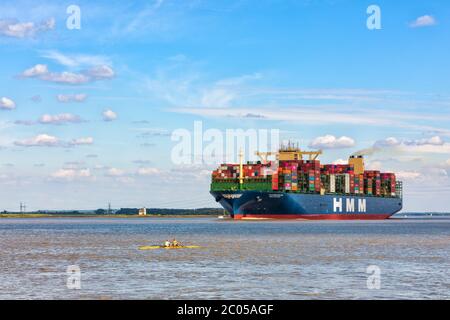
point(143, 211)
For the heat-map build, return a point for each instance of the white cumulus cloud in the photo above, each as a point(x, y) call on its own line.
point(41, 140)
point(423, 21)
point(109, 115)
point(17, 29)
point(428, 145)
point(433, 144)
point(101, 72)
point(59, 118)
point(65, 77)
point(115, 172)
point(7, 103)
point(331, 142)
point(147, 171)
point(46, 140)
point(41, 71)
point(36, 71)
point(388, 142)
point(434, 141)
point(71, 174)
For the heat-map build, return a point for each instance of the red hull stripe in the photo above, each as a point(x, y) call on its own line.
point(314, 216)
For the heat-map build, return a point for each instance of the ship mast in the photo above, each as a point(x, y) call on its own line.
point(241, 167)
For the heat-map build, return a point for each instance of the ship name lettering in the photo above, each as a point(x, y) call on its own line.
point(350, 205)
point(338, 205)
point(362, 205)
point(232, 196)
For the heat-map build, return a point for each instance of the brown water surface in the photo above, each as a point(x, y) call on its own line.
point(239, 260)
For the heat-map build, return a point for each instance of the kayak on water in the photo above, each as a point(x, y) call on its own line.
point(163, 247)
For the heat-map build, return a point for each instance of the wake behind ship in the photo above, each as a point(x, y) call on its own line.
point(293, 188)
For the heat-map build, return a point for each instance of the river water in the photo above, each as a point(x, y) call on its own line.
point(238, 259)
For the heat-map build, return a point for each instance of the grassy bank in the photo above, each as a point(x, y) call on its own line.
point(116, 213)
point(21, 215)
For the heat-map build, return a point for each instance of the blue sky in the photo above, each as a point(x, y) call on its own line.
point(86, 115)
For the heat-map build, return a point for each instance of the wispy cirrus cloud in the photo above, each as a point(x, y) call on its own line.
point(76, 60)
point(153, 132)
point(177, 83)
point(142, 162)
point(66, 98)
point(332, 114)
point(148, 144)
point(306, 114)
point(180, 84)
point(73, 164)
point(25, 122)
point(243, 79)
point(82, 141)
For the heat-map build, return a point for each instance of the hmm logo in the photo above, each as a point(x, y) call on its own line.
point(350, 205)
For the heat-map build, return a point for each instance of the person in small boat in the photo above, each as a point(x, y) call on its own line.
point(167, 243)
point(175, 243)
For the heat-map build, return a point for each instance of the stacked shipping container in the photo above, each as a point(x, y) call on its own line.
point(304, 176)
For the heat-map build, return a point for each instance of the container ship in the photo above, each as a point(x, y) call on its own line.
point(297, 186)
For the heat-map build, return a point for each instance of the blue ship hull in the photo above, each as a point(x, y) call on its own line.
point(283, 205)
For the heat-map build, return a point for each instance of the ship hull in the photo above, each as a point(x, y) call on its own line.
point(282, 205)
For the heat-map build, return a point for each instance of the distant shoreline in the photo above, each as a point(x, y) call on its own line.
point(152, 216)
point(116, 213)
point(38, 215)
